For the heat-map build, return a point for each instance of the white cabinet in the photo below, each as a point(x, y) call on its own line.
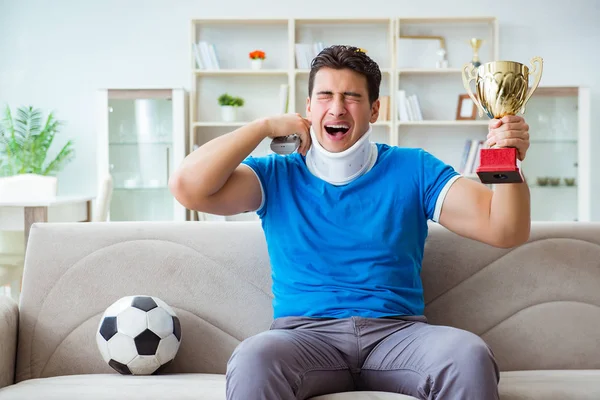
point(557, 166)
point(141, 141)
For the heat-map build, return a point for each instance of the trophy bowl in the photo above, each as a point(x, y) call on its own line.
point(502, 88)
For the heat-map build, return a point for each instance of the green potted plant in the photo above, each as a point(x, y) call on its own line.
point(229, 105)
point(26, 170)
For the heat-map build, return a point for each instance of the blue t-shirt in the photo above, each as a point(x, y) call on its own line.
point(351, 250)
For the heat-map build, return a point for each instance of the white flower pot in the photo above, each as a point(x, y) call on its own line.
point(28, 187)
point(228, 113)
point(256, 63)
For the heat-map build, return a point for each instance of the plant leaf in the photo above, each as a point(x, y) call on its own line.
point(66, 154)
point(25, 143)
point(28, 125)
point(42, 142)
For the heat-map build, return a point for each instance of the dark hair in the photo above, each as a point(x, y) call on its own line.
point(354, 58)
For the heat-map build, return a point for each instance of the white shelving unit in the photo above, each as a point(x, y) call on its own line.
point(438, 89)
point(558, 163)
point(141, 141)
point(388, 41)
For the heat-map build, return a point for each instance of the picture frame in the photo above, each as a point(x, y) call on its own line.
point(466, 108)
point(420, 51)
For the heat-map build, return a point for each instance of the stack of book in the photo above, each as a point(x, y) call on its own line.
point(284, 95)
point(384, 108)
point(409, 108)
point(470, 158)
point(205, 55)
point(305, 52)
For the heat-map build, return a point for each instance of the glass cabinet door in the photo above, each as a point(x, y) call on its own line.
point(141, 151)
point(552, 166)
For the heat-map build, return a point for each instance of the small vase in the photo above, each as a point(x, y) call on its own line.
point(256, 63)
point(228, 113)
point(31, 187)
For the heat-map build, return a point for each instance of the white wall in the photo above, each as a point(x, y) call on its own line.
point(54, 54)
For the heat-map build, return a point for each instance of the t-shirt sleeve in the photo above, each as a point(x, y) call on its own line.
point(437, 178)
point(261, 166)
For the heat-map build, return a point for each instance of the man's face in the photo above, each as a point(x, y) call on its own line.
point(339, 109)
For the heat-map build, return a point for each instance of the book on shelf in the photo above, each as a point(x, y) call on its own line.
point(470, 157)
point(284, 94)
point(409, 108)
point(306, 52)
point(205, 55)
point(384, 108)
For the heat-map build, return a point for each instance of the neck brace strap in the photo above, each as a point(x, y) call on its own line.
point(341, 168)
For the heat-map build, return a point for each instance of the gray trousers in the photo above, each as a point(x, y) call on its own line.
point(300, 357)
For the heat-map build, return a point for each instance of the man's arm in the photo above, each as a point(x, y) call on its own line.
point(501, 217)
point(211, 179)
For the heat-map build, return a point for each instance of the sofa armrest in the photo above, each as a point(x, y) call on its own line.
point(9, 320)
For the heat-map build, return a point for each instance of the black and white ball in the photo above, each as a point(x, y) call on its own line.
point(138, 335)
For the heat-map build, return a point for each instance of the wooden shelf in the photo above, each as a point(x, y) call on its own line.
point(213, 72)
point(554, 141)
point(240, 21)
point(140, 188)
point(307, 71)
point(442, 20)
point(561, 186)
point(430, 71)
point(219, 124)
point(556, 91)
point(444, 123)
point(328, 20)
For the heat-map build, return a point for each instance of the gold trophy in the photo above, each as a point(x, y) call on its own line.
point(476, 44)
point(501, 88)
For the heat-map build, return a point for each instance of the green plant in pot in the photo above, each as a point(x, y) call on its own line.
point(229, 105)
point(26, 170)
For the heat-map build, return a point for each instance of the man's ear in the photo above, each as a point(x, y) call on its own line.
point(375, 111)
point(308, 107)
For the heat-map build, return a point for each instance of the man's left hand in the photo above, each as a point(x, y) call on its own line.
point(509, 131)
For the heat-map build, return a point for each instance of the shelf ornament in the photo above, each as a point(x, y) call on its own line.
point(257, 58)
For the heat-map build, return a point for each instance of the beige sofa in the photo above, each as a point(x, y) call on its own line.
point(537, 306)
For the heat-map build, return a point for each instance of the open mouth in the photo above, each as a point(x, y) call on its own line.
point(337, 131)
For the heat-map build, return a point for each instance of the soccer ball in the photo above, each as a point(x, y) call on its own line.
point(138, 335)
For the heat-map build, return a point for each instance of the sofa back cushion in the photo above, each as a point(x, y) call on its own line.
point(215, 276)
point(536, 305)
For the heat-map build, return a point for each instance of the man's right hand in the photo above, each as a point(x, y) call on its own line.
point(289, 124)
point(211, 179)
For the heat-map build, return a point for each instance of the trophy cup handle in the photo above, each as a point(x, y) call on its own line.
point(468, 75)
point(537, 71)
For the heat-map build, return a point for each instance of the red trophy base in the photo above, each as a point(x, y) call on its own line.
point(499, 166)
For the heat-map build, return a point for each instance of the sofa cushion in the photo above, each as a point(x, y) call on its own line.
point(115, 386)
point(550, 385)
point(519, 385)
point(171, 386)
point(514, 385)
point(364, 396)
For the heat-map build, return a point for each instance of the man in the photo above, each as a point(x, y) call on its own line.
point(345, 221)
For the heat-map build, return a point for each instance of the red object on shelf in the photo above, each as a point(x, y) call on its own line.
point(257, 54)
point(499, 166)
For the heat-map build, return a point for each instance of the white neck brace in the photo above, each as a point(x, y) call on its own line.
point(341, 168)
